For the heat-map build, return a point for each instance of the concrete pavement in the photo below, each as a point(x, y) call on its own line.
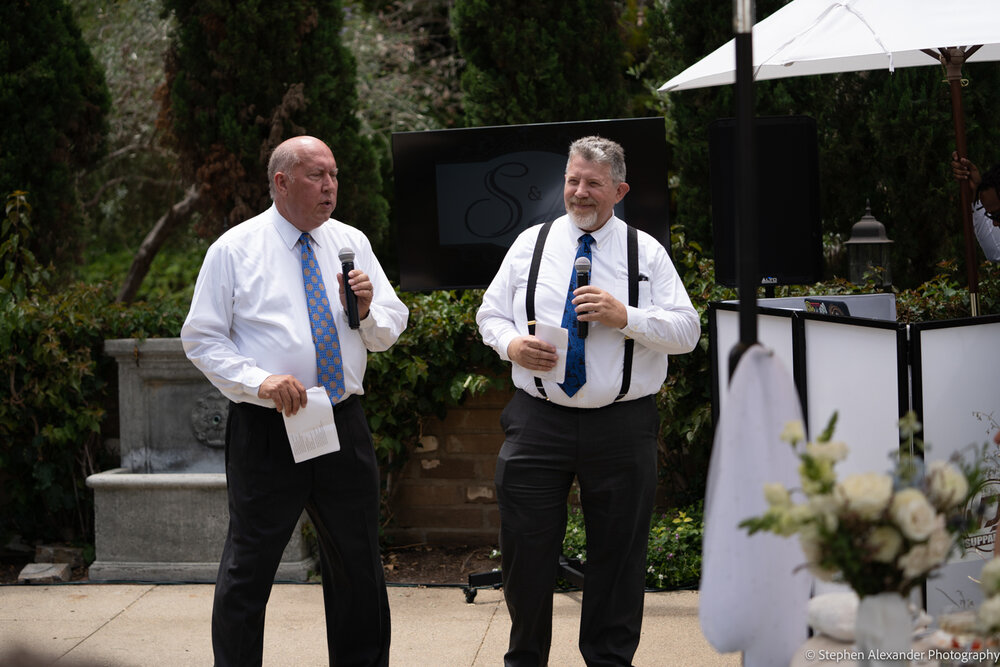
point(143, 625)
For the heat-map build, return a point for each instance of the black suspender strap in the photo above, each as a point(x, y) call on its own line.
point(529, 296)
point(633, 297)
point(633, 300)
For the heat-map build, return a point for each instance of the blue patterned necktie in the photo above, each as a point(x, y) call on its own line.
point(576, 367)
point(329, 365)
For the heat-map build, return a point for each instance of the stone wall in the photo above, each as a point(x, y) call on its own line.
point(445, 493)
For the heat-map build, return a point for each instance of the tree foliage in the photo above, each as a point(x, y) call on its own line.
point(883, 136)
point(53, 100)
point(408, 65)
point(244, 76)
point(138, 179)
point(537, 62)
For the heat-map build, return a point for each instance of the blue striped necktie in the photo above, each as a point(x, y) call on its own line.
point(576, 365)
point(329, 365)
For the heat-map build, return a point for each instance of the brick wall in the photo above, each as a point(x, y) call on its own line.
point(445, 493)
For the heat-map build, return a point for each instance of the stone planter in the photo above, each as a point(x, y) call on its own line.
point(163, 515)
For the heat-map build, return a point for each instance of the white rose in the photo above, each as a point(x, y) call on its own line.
point(917, 561)
point(989, 613)
point(989, 577)
point(940, 542)
point(866, 495)
point(793, 432)
point(885, 543)
point(948, 486)
point(914, 515)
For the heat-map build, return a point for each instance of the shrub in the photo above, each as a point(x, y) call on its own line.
point(56, 386)
point(434, 363)
point(674, 551)
point(57, 389)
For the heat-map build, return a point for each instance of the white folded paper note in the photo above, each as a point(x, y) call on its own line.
point(312, 431)
point(558, 337)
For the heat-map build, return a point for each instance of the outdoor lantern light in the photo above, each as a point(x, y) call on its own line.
point(868, 250)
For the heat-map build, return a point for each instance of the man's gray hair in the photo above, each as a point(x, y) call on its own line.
point(283, 159)
point(602, 151)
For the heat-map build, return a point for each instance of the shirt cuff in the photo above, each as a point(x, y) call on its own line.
point(503, 342)
point(254, 379)
point(636, 323)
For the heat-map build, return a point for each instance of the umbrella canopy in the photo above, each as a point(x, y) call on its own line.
point(825, 37)
point(828, 36)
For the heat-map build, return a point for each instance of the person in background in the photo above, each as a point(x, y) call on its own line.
point(985, 191)
point(263, 328)
point(579, 427)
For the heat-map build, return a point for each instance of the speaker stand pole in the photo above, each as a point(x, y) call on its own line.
point(746, 183)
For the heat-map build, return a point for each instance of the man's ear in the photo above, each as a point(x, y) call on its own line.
point(621, 191)
point(281, 183)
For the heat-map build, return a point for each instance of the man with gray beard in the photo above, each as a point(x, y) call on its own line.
point(597, 423)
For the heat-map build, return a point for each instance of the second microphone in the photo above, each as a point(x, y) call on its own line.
point(582, 266)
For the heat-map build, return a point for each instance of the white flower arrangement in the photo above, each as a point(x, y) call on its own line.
point(876, 532)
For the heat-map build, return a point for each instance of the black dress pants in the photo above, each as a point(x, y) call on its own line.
point(267, 493)
point(612, 453)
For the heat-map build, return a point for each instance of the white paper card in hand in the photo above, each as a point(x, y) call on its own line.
point(312, 431)
point(559, 338)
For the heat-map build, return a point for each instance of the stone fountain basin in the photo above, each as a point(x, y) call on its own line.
point(164, 514)
point(170, 527)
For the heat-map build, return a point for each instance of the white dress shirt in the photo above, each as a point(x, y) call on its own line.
point(249, 318)
point(987, 233)
point(663, 323)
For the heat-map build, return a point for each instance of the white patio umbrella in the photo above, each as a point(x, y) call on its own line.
point(826, 36)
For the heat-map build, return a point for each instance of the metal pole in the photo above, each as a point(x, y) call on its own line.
point(746, 183)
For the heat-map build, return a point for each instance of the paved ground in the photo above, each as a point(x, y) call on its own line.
point(143, 625)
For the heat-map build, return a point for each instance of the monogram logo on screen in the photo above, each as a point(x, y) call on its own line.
point(503, 206)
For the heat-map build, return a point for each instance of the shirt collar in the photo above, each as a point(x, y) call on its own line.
point(288, 232)
point(601, 236)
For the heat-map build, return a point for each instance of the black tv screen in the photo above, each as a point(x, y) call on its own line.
point(462, 196)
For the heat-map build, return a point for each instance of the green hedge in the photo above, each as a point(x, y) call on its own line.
point(57, 391)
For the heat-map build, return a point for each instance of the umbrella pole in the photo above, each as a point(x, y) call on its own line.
point(746, 191)
point(953, 60)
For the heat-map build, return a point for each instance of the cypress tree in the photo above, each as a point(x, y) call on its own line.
point(535, 62)
point(53, 101)
point(244, 76)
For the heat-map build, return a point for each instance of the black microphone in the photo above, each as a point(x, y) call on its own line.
point(347, 265)
point(582, 265)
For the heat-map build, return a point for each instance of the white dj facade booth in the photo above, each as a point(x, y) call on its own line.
point(872, 370)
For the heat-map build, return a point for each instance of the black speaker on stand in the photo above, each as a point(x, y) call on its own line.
point(790, 240)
